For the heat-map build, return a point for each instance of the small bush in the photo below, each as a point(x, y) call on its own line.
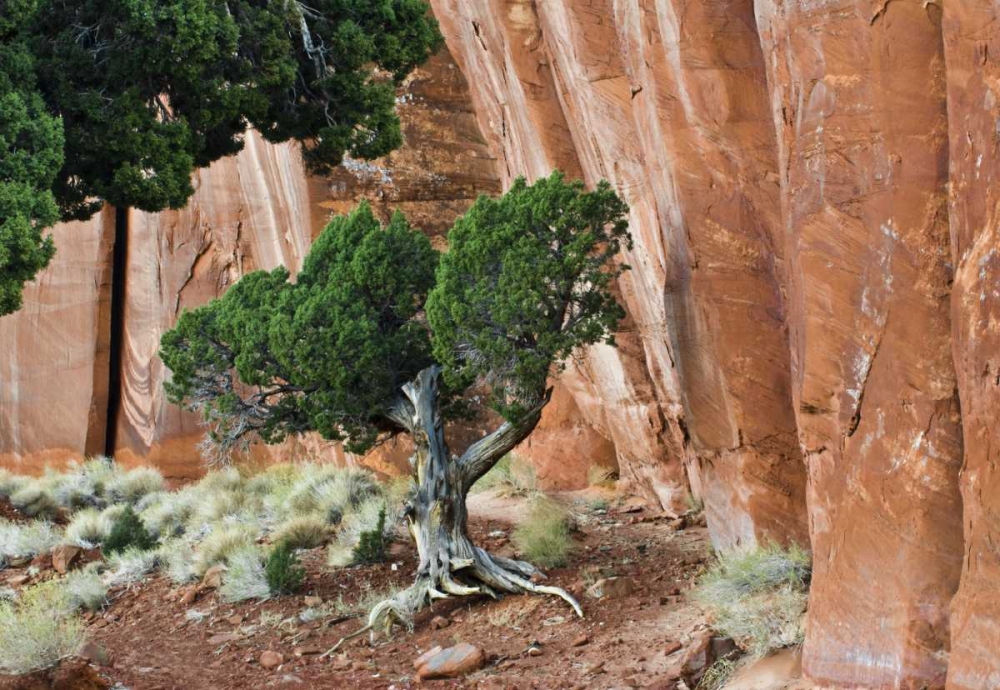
point(221, 544)
point(128, 532)
point(758, 597)
point(543, 537)
point(511, 476)
point(372, 545)
point(245, 577)
point(88, 528)
point(130, 566)
point(24, 540)
point(305, 532)
point(11, 483)
point(133, 485)
point(32, 500)
point(38, 629)
point(86, 589)
point(284, 574)
point(177, 557)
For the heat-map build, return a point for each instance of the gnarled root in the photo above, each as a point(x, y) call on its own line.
point(481, 574)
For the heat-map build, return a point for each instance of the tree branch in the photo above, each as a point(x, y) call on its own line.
point(486, 452)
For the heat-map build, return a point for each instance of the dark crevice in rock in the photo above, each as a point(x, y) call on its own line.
point(119, 271)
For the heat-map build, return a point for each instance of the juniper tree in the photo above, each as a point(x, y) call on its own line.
point(378, 334)
point(119, 101)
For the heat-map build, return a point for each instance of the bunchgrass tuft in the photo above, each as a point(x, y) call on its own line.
point(221, 544)
point(88, 528)
point(544, 535)
point(305, 532)
point(38, 629)
point(32, 500)
point(758, 597)
point(131, 486)
point(130, 566)
point(245, 577)
point(86, 589)
point(511, 476)
point(27, 539)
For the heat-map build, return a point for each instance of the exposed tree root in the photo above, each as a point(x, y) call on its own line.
point(482, 574)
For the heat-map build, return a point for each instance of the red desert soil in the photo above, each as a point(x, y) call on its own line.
point(154, 643)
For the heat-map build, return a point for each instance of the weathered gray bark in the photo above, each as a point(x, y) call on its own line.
point(450, 564)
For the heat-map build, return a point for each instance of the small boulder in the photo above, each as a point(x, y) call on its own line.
point(704, 650)
point(213, 577)
point(581, 640)
point(42, 561)
point(313, 602)
point(64, 557)
point(612, 588)
point(440, 622)
point(271, 660)
point(95, 653)
point(451, 662)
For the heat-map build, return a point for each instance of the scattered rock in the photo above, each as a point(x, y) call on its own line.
point(95, 653)
point(675, 591)
point(313, 602)
point(64, 557)
point(222, 638)
point(672, 647)
point(632, 504)
point(612, 588)
point(235, 619)
point(42, 561)
point(449, 663)
point(213, 577)
point(271, 660)
point(535, 650)
point(581, 640)
point(440, 622)
point(705, 650)
point(342, 663)
point(595, 669)
point(306, 651)
point(189, 596)
point(18, 580)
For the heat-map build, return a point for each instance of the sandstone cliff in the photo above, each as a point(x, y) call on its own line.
point(814, 305)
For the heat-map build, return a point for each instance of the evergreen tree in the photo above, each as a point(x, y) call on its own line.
point(149, 90)
point(378, 334)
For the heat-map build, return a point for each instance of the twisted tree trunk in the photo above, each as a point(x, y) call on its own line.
point(450, 564)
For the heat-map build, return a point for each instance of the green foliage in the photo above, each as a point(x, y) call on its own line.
point(325, 353)
point(120, 101)
point(758, 596)
point(543, 536)
point(526, 280)
point(128, 532)
point(373, 545)
point(284, 574)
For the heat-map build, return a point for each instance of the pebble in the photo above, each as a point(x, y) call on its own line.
point(270, 660)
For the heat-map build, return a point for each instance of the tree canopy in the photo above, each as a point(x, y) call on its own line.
point(526, 280)
point(119, 101)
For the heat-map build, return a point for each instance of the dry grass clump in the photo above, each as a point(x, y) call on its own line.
point(602, 475)
point(88, 528)
point(245, 577)
point(511, 476)
point(25, 540)
point(758, 597)
point(32, 500)
point(38, 629)
point(10, 483)
point(130, 566)
point(219, 546)
point(544, 536)
point(306, 532)
point(86, 589)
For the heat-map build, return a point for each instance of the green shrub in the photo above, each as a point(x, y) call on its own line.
point(373, 546)
point(543, 537)
point(128, 532)
point(284, 574)
point(38, 629)
point(758, 597)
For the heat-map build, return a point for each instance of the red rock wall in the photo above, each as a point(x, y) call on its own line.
point(972, 55)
